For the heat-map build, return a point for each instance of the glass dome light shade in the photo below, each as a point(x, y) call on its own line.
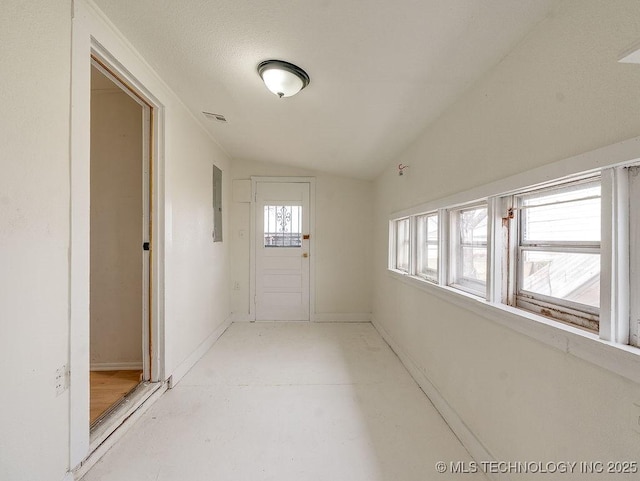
point(283, 78)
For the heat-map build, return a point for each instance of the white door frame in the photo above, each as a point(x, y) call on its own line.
point(147, 159)
point(312, 244)
point(86, 30)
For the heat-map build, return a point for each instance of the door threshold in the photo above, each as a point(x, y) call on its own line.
point(116, 416)
point(111, 427)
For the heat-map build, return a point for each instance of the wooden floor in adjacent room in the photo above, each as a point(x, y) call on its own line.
point(108, 387)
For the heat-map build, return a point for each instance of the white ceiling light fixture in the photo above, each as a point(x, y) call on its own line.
point(283, 78)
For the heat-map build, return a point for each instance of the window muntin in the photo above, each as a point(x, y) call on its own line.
point(469, 249)
point(558, 252)
point(282, 226)
point(402, 244)
point(427, 247)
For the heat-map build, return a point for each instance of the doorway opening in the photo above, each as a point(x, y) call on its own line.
point(93, 47)
point(120, 232)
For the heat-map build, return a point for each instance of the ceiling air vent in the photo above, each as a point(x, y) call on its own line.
point(216, 117)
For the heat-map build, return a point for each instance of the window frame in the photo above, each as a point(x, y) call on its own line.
point(216, 182)
point(618, 336)
point(394, 257)
point(431, 275)
point(455, 277)
point(578, 314)
point(612, 347)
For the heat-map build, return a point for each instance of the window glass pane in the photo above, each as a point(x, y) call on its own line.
point(432, 228)
point(564, 275)
point(217, 204)
point(473, 226)
point(282, 226)
point(427, 265)
point(474, 263)
point(432, 257)
point(469, 249)
point(567, 214)
point(402, 244)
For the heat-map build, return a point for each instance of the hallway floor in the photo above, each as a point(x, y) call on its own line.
point(289, 402)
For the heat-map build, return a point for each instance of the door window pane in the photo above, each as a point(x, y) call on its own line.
point(282, 226)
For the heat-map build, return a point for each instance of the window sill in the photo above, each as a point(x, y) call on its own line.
point(620, 359)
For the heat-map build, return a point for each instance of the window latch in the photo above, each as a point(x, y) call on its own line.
point(510, 213)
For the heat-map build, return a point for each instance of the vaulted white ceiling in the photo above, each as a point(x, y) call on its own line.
point(380, 70)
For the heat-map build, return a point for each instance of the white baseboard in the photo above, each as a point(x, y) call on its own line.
point(116, 366)
point(186, 365)
point(240, 317)
point(468, 439)
point(68, 476)
point(342, 317)
point(317, 317)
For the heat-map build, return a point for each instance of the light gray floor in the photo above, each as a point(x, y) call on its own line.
point(289, 402)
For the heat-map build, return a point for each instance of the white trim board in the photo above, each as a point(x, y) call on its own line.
point(240, 317)
point(343, 317)
point(471, 443)
point(117, 366)
point(185, 366)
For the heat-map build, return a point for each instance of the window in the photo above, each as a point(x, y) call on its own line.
point(282, 225)
point(217, 204)
point(558, 252)
point(634, 254)
point(427, 247)
point(468, 257)
point(403, 244)
point(568, 250)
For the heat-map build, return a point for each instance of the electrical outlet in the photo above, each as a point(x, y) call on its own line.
point(236, 286)
point(62, 380)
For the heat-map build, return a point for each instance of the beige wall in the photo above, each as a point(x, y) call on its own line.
point(35, 45)
point(560, 93)
point(196, 268)
point(116, 229)
point(343, 242)
point(34, 237)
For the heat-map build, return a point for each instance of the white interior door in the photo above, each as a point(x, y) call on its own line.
point(282, 251)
